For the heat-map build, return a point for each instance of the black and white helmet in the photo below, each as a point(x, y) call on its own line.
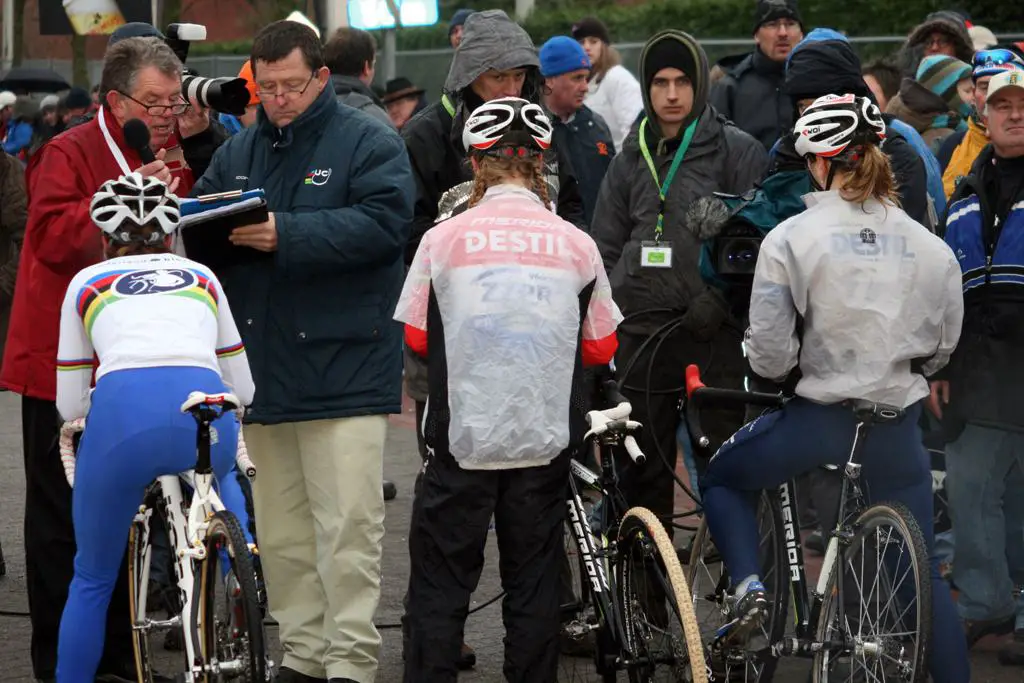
point(509, 126)
point(133, 201)
point(834, 123)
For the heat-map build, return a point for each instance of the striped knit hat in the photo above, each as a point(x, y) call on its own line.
point(940, 74)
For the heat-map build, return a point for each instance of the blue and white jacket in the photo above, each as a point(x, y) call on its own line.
point(987, 368)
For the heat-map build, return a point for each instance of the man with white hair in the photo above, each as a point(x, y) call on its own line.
point(976, 394)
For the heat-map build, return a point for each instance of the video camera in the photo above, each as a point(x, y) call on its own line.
point(735, 251)
point(228, 95)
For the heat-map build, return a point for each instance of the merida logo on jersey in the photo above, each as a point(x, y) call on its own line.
point(516, 242)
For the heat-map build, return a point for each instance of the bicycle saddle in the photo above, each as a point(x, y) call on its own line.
point(198, 398)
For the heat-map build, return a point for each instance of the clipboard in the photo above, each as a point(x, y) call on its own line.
point(207, 222)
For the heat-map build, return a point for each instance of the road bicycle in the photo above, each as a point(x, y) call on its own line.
point(630, 606)
point(220, 618)
point(868, 617)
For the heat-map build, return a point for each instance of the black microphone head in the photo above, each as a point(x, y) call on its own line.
point(136, 134)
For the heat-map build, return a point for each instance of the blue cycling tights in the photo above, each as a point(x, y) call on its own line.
point(805, 435)
point(134, 433)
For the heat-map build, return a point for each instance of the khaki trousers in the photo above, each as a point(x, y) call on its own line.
point(320, 520)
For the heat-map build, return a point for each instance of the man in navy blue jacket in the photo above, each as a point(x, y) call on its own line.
point(313, 298)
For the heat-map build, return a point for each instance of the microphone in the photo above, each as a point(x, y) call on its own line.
point(136, 136)
point(706, 216)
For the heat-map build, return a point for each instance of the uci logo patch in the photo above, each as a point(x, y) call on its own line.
point(154, 281)
point(318, 177)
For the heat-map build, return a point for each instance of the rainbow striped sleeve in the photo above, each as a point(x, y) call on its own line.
point(75, 364)
point(233, 350)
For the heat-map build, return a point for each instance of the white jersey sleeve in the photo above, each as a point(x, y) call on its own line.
point(771, 343)
point(952, 321)
point(603, 315)
point(74, 358)
point(415, 298)
point(231, 358)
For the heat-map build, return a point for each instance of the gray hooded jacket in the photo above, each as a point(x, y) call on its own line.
point(720, 158)
point(356, 94)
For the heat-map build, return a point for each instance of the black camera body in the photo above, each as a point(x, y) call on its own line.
point(228, 95)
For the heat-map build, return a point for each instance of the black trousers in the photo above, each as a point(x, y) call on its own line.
point(450, 519)
point(50, 546)
point(655, 403)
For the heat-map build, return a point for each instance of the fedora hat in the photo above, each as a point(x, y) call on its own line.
point(400, 88)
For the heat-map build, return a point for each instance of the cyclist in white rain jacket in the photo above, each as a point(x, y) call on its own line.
point(882, 308)
point(160, 327)
point(508, 302)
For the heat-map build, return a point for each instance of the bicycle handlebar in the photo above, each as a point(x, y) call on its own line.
point(616, 420)
point(698, 394)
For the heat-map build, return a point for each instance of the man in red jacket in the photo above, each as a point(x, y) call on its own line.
point(141, 80)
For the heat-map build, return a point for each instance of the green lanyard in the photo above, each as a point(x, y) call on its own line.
point(448, 106)
point(676, 161)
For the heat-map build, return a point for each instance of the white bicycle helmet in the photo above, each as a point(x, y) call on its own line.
point(133, 201)
point(509, 126)
point(835, 123)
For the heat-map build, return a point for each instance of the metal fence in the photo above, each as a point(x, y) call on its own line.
point(428, 68)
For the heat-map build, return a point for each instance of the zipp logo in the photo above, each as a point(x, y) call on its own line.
point(318, 177)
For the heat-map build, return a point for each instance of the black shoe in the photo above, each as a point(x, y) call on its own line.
point(976, 630)
point(1013, 653)
point(286, 675)
point(467, 658)
point(815, 542)
point(125, 673)
point(341, 680)
point(390, 491)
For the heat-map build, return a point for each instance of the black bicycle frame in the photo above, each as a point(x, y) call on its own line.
point(601, 583)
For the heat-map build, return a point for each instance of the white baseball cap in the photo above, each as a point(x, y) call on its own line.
point(1006, 79)
point(49, 101)
point(7, 99)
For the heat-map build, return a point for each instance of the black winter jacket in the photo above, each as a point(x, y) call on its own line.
point(751, 96)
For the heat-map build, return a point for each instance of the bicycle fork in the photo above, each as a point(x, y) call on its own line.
point(183, 568)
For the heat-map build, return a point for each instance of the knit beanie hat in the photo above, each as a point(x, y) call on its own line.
point(770, 10)
point(669, 54)
point(77, 98)
point(591, 27)
point(458, 19)
point(562, 55)
point(940, 74)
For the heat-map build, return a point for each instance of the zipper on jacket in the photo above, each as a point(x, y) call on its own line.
point(988, 269)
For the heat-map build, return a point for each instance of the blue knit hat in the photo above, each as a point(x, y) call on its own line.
point(562, 55)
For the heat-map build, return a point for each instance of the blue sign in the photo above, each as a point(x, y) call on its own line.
point(374, 14)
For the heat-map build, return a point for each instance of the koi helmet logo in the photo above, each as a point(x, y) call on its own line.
point(318, 177)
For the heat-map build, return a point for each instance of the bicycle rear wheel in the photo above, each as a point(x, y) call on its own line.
point(231, 624)
point(662, 635)
point(137, 545)
point(712, 603)
point(887, 602)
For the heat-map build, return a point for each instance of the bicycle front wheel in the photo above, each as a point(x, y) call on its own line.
point(662, 636)
point(231, 624)
point(881, 611)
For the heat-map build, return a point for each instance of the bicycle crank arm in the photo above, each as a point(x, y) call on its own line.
point(159, 624)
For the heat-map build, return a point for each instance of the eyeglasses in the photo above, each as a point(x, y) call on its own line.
point(778, 24)
point(176, 109)
point(268, 91)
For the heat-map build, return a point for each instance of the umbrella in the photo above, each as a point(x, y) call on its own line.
point(33, 79)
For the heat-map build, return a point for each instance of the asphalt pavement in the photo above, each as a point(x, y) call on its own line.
point(401, 461)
